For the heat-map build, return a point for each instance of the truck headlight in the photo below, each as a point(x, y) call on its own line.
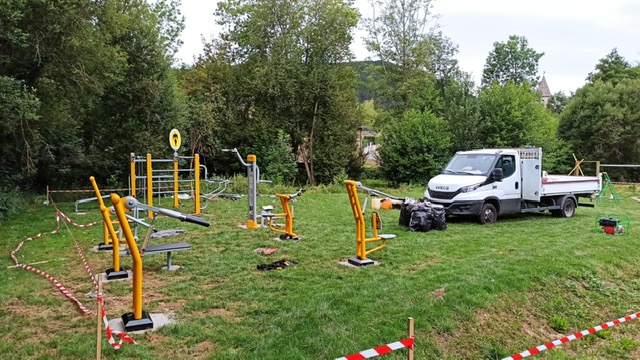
point(469, 188)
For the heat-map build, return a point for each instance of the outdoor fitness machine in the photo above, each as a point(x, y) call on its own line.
point(139, 319)
point(165, 180)
point(287, 233)
point(253, 178)
point(111, 239)
point(361, 240)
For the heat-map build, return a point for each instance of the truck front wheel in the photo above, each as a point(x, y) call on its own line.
point(488, 214)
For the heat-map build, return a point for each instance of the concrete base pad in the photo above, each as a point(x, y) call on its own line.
point(346, 262)
point(172, 268)
point(104, 279)
point(159, 320)
point(295, 239)
point(103, 247)
point(244, 226)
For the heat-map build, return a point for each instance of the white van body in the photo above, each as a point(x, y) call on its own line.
point(490, 182)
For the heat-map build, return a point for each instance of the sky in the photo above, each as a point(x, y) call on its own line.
point(574, 35)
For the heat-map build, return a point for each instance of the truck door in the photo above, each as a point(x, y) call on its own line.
point(531, 179)
point(508, 190)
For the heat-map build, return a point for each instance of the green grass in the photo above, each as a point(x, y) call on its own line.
point(476, 292)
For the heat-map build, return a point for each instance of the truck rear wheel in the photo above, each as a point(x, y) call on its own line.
point(568, 207)
point(488, 214)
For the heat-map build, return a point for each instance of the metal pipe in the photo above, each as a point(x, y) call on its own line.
point(119, 207)
point(197, 181)
point(149, 185)
point(175, 180)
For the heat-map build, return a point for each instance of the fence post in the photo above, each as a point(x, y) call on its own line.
point(410, 333)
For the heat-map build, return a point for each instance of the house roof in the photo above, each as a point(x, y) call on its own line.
point(543, 88)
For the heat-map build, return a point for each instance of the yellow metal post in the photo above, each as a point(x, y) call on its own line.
point(252, 178)
point(196, 160)
point(108, 226)
point(132, 169)
point(361, 246)
point(149, 185)
point(288, 217)
point(118, 204)
point(175, 180)
point(361, 239)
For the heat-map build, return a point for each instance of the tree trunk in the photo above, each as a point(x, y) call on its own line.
point(308, 160)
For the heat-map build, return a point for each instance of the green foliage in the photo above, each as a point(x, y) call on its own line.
point(511, 116)
point(622, 349)
point(494, 351)
point(600, 123)
point(557, 102)
point(10, 203)
point(280, 161)
point(19, 106)
point(559, 323)
point(413, 149)
point(100, 77)
point(512, 61)
point(291, 80)
point(613, 68)
point(400, 35)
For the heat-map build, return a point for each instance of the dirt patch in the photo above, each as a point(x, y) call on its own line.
point(438, 294)
point(228, 315)
point(470, 338)
point(171, 306)
point(209, 284)
point(153, 338)
point(202, 350)
point(420, 266)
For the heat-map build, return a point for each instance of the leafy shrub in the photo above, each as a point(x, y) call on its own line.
point(280, 161)
point(10, 202)
point(414, 148)
point(559, 323)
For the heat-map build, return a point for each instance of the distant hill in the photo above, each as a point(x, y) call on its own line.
point(360, 67)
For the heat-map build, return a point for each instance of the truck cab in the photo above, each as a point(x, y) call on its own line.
point(490, 182)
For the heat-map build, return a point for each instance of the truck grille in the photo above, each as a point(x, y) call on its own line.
point(448, 195)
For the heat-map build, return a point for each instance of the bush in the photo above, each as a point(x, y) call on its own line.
point(10, 202)
point(414, 148)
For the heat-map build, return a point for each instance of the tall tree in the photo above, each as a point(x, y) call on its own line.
point(600, 122)
point(400, 36)
point(288, 59)
point(512, 61)
point(613, 68)
point(508, 115)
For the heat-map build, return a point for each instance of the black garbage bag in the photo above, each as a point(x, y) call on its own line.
point(421, 220)
point(439, 218)
point(405, 215)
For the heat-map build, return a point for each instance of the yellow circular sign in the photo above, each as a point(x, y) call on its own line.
point(174, 139)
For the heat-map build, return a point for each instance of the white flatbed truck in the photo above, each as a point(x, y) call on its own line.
point(490, 182)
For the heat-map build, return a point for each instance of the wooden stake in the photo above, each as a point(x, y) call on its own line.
point(99, 342)
point(410, 333)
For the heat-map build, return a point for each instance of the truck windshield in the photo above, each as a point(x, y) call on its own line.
point(472, 164)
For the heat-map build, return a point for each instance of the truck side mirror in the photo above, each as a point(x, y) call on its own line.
point(497, 174)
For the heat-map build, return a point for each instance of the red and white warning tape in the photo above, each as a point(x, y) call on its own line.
point(123, 336)
point(380, 350)
point(84, 191)
point(71, 221)
point(566, 339)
